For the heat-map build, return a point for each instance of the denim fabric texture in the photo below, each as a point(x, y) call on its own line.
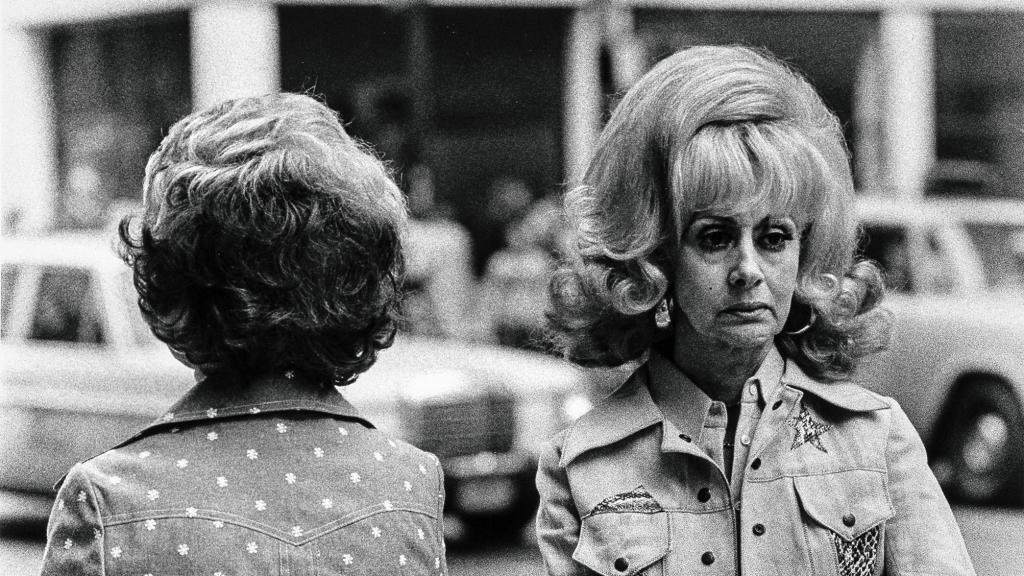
point(836, 482)
point(272, 477)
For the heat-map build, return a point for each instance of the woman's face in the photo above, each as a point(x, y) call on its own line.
point(734, 277)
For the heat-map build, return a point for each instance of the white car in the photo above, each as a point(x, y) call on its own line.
point(81, 371)
point(956, 359)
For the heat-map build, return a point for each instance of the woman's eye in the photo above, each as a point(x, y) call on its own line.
point(775, 240)
point(715, 239)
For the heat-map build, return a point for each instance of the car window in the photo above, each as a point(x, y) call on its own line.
point(66, 307)
point(887, 245)
point(1001, 248)
point(8, 278)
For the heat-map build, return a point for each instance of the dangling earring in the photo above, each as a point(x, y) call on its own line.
point(663, 313)
point(812, 316)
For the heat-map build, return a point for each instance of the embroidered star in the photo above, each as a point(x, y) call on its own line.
point(261, 505)
point(252, 454)
point(347, 559)
point(376, 532)
point(181, 463)
point(222, 481)
point(211, 412)
point(191, 512)
point(212, 436)
point(81, 496)
point(289, 478)
point(318, 452)
point(116, 552)
point(808, 430)
point(183, 549)
point(68, 544)
point(251, 547)
point(355, 477)
point(296, 531)
point(150, 524)
point(407, 485)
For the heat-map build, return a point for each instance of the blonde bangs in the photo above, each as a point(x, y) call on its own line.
point(759, 165)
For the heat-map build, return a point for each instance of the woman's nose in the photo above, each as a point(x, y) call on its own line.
point(746, 271)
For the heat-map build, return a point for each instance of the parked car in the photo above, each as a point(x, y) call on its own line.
point(81, 371)
point(956, 359)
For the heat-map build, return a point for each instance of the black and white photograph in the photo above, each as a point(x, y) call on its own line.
point(517, 287)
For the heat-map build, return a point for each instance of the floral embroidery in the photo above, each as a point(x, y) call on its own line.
point(289, 478)
point(222, 482)
point(420, 534)
point(261, 505)
point(378, 456)
point(318, 452)
point(81, 496)
point(115, 552)
point(218, 524)
point(636, 500)
point(282, 427)
point(152, 494)
point(150, 524)
point(327, 503)
point(808, 430)
point(68, 544)
point(296, 531)
point(182, 463)
point(376, 532)
point(401, 560)
point(252, 454)
point(254, 410)
point(347, 559)
point(191, 512)
point(423, 469)
point(388, 505)
point(857, 557)
point(211, 412)
point(183, 549)
point(251, 548)
point(407, 485)
point(355, 477)
point(115, 480)
point(343, 431)
point(212, 436)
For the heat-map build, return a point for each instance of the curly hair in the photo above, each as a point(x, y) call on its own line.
point(728, 128)
point(271, 240)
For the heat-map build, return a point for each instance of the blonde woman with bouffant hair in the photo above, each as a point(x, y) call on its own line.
point(715, 244)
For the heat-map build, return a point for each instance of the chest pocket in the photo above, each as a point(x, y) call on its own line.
point(624, 543)
point(845, 519)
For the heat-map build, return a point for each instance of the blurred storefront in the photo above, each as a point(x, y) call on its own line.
point(459, 94)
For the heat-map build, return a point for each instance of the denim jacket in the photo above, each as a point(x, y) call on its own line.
point(271, 478)
point(836, 483)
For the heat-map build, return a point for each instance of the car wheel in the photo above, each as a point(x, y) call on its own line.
point(986, 429)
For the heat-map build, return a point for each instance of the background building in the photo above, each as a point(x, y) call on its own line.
point(462, 93)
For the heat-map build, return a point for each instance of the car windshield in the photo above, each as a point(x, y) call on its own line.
point(1001, 247)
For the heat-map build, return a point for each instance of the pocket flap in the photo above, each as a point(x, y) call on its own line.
point(848, 503)
point(622, 543)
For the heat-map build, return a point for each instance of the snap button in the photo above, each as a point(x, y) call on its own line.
point(849, 520)
point(621, 564)
point(758, 529)
point(703, 495)
point(777, 404)
point(708, 558)
point(745, 439)
point(685, 437)
point(756, 463)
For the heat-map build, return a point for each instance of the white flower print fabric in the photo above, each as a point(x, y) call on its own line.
point(278, 477)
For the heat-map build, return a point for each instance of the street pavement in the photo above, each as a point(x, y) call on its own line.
point(995, 540)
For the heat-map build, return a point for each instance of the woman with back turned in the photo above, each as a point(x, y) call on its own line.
point(715, 241)
point(268, 258)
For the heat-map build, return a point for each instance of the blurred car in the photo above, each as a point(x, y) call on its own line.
point(81, 371)
point(956, 358)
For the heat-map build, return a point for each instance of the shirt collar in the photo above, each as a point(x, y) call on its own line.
point(687, 406)
point(217, 398)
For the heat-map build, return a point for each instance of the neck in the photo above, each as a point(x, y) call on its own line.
point(718, 370)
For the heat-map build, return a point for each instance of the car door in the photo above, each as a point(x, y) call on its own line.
point(924, 284)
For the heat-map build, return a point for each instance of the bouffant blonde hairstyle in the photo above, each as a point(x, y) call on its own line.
point(728, 129)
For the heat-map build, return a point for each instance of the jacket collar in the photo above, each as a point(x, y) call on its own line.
point(631, 409)
point(216, 398)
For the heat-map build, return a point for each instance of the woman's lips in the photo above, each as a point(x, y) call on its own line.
point(748, 310)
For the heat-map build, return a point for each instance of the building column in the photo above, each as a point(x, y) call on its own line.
point(235, 50)
point(582, 117)
point(28, 178)
point(907, 53)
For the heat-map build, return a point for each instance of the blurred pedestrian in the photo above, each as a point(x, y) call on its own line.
point(715, 243)
point(268, 258)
